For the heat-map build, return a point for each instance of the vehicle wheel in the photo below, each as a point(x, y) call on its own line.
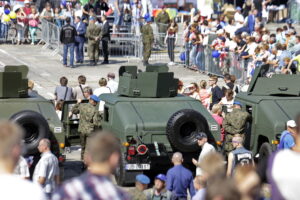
point(120, 172)
point(124, 177)
point(264, 152)
point(35, 128)
point(181, 129)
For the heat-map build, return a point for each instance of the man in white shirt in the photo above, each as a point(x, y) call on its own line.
point(111, 83)
point(46, 171)
point(206, 149)
point(12, 186)
point(238, 17)
point(22, 168)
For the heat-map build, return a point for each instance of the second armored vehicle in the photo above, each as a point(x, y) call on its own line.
point(153, 121)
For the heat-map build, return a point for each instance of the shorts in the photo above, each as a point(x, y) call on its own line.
point(117, 18)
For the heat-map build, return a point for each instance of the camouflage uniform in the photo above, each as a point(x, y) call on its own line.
point(162, 20)
point(90, 119)
point(148, 39)
point(92, 32)
point(234, 123)
point(137, 194)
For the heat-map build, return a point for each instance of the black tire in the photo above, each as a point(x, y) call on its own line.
point(35, 128)
point(124, 177)
point(265, 151)
point(181, 129)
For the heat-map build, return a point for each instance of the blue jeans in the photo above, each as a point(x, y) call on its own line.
point(79, 51)
point(200, 60)
point(71, 47)
point(193, 54)
point(4, 30)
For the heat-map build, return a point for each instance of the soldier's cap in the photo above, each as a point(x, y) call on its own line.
point(148, 19)
point(200, 135)
point(291, 123)
point(161, 177)
point(237, 103)
point(95, 98)
point(92, 18)
point(143, 179)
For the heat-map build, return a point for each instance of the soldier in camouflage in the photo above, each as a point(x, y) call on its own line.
point(141, 184)
point(148, 39)
point(162, 20)
point(93, 34)
point(89, 121)
point(234, 123)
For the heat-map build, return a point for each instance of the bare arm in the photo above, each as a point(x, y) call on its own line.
point(42, 180)
point(229, 164)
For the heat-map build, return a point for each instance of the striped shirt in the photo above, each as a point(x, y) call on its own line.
point(89, 187)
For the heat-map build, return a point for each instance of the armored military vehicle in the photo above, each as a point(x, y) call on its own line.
point(271, 101)
point(153, 121)
point(34, 113)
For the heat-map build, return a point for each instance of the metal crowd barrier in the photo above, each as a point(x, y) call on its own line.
point(50, 36)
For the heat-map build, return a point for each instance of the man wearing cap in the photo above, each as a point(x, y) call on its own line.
point(235, 123)
point(93, 34)
point(206, 149)
point(89, 121)
point(141, 184)
point(286, 139)
point(238, 17)
point(159, 191)
point(148, 39)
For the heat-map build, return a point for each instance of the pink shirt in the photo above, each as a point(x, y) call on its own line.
point(219, 120)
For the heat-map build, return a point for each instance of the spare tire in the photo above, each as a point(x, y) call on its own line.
point(35, 128)
point(181, 129)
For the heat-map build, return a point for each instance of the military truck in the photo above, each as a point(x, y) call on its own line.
point(271, 101)
point(33, 113)
point(153, 121)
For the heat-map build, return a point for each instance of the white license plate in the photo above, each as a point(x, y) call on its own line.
point(137, 166)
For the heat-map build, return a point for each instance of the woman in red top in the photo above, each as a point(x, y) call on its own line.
point(171, 39)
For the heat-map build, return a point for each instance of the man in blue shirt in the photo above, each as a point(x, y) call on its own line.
point(179, 179)
point(286, 139)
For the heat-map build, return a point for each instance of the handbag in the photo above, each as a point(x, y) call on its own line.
point(33, 23)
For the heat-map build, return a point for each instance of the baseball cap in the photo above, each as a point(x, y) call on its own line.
point(142, 179)
point(26, 1)
point(238, 8)
point(237, 103)
point(95, 98)
point(291, 123)
point(161, 177)
point(200, 135)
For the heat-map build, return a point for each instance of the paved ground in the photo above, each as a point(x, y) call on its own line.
point(46, 70)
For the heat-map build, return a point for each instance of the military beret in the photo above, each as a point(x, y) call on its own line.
point(142, 179)
point(95, 98)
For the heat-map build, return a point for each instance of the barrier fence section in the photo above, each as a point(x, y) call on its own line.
point(50, 36)
point(294, 10)
point(197, 57)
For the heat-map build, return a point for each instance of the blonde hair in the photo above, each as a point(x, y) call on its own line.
point(216, 108)
point(30, 84)
point(203, 84)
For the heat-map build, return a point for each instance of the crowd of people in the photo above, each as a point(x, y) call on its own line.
point(241, 40)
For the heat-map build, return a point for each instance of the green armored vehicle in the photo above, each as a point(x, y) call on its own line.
point(153, 121)
point(271, 101)
point(34, 113)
